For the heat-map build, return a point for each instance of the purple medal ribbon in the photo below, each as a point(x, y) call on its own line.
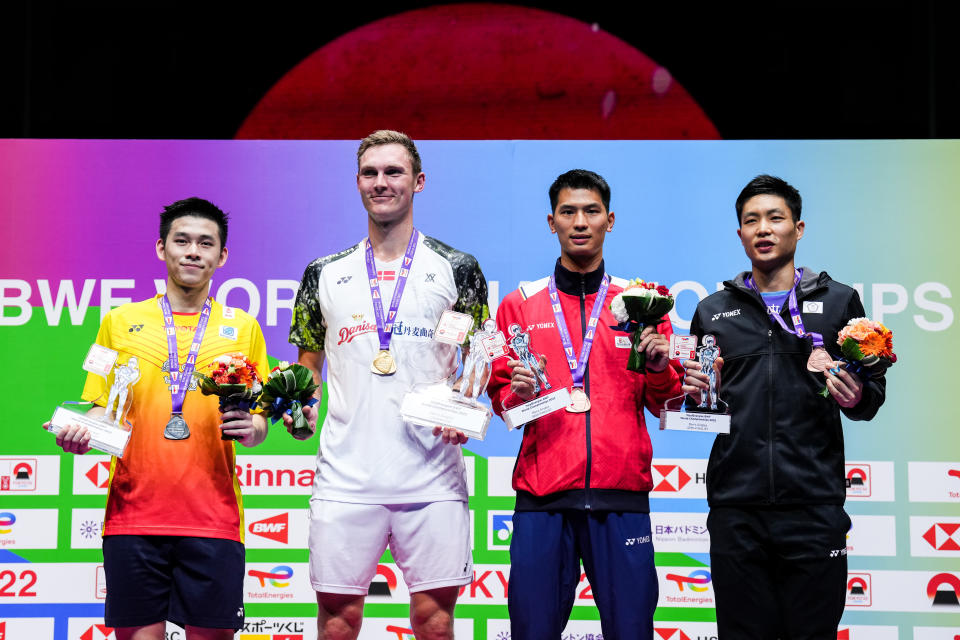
point(577, 367)
point(181, 380)
point(798, 328)
point(385, 327)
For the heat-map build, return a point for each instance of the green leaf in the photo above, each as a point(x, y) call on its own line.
point(851, 350)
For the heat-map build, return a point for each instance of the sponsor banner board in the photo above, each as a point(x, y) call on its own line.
point(28, 528)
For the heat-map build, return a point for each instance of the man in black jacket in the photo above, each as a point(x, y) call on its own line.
point(775, 484)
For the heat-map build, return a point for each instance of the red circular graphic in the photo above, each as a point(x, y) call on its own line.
point(478, 71)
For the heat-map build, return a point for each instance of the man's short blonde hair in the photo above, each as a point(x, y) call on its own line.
point(386, 136)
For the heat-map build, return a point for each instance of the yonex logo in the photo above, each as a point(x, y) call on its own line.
point(835, 553)
point(725, 314)
point(344, 279)
point(134, 327)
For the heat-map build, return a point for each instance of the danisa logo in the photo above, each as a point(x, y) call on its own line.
point(273, 528)
point(858, 481)
point(942, 536)
point(943, 589)
point(347, 334)
point(384, 583)
point(99, 474)
point(7, 520)
point(501, 529)
point(859, 590)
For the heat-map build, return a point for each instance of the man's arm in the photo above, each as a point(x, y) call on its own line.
point(858, 400)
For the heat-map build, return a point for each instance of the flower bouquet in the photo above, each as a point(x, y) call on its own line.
point(643, 303)
point(288, 389)
point(867, 349)
point(234, 379)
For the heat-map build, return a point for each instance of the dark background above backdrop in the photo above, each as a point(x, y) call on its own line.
point(813, 70)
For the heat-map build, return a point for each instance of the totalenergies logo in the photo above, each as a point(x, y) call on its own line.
point(6, 521)
point(698, 581)
point(278, 577)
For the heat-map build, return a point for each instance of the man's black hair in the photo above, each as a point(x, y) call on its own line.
point(193, 207)
point(580, 179)
point(772, 185)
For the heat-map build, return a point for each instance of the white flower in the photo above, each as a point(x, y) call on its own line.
point(618, 309)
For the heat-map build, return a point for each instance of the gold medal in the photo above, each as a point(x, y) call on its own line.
point(579, 402)
point(819, 360)
point(384, 364)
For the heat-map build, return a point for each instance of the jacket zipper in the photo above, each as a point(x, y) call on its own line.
point(586, 388)
point(770, 412)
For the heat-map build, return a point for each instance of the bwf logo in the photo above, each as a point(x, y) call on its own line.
point(273, 528)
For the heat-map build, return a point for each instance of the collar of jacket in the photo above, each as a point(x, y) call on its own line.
point(810, 280)
point(569, 281)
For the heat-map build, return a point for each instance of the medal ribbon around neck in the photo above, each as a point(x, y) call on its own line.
point(181, 380)
point(577, 367)
point(385, 326)
point(798, 328)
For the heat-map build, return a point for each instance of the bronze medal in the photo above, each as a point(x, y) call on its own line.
point(819, 360)
point(384, 364)
point(579, 402)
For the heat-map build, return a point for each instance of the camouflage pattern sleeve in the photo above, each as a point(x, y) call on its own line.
point(307, 330)
point(471, 285)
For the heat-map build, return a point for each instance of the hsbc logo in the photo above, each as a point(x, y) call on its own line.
point(858, 480)
point(943, 536)
point(274, 528)
point(97, 632)
point(679, 478)
point(99, 474)
point(859, 590)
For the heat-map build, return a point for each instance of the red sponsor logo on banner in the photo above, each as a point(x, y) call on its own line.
point(99, 474)
point(943, 589)
point(98, 632)
point(670, 634)
point(672, 477)
point(273, 528)
point(943, 536)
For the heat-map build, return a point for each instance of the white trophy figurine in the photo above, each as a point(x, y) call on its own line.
point(707, 356)
point(123, 377)
point(109, 432)
point(520, 343)
point(476, 366)
point(712, 414)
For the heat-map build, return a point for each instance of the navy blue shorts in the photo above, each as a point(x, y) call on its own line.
point(188, 581)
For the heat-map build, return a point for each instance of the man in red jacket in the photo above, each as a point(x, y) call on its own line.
point(583, 474)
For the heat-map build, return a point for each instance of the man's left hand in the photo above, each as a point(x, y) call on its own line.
point(845, 387)
point(450, 435)
point(248, 429)
point(657, 348)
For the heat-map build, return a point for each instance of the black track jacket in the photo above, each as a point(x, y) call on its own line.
point(785, 445)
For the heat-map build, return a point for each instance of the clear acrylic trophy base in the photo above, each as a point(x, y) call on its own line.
point(675, 417)
point(104, 436)
point(537, 408)
point(438, 405)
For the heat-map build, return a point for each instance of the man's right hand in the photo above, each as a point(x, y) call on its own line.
point(695, 380)
point(522, 379)
point(310, 413)
point(73, 438)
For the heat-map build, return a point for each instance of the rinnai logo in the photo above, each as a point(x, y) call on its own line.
point(273, 528)
point(99, 474)
point(384, 583)
point(858, 480)
point(859, 590)
point(942, 536)
point(347, 334)
point(267, 477)
point(669, 477)
point(98, 632)
point(670, 634)
point(943, 589)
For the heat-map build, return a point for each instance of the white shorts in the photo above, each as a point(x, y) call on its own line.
point(430, 543)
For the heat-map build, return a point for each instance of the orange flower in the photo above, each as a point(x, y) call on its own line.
point(873, 344)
